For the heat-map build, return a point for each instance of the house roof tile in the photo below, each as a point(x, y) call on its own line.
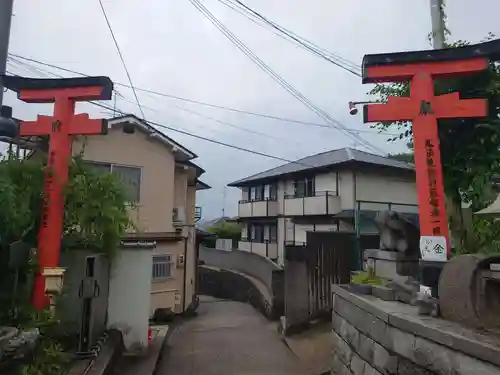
point(323, 160)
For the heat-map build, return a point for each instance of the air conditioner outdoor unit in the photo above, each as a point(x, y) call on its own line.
point(179, 216)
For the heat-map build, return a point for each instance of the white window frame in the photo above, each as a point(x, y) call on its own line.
point(163, 265)
point(112, 165)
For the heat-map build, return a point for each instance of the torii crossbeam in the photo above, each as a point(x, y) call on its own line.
point(423, 109)
point(60, 128)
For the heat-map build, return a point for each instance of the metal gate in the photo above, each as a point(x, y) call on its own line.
point(327, 263)
point(328, 258)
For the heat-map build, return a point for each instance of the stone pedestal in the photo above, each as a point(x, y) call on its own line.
point(392, 265)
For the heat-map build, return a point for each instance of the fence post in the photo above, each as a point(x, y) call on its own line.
point(357, 217)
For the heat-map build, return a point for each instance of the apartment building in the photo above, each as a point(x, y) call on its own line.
point(323, 192)
point(161, 181)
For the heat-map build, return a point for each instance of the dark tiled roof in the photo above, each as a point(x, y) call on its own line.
point(326, 159)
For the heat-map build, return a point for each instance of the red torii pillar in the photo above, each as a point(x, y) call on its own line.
point(423, 109)
point(60, 127)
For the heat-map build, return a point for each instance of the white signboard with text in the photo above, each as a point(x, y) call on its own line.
point(433, 248)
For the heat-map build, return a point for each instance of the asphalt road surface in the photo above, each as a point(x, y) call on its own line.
point(227, 338)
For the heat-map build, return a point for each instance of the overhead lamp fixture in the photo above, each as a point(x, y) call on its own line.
point(354, 111)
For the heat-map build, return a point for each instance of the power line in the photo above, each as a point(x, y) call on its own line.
point(187, 100)
point(266, 135)
point(45, 72)
point(204, 138)
point(288, 35)
point(121, 57)
point(277, 78)
point(187, 133)
point(160, 125)
point(26, 67)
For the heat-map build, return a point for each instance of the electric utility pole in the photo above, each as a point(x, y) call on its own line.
point(6, 7)
point(437, 17)
point(224, 202)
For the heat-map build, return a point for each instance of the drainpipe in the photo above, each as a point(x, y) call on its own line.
point(185, 275)
point(6, 17)
point(337, 183)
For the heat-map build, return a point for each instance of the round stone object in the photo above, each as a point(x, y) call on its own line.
point(461, 290)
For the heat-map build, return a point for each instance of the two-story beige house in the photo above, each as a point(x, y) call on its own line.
point(161, 182)
point(323, 192)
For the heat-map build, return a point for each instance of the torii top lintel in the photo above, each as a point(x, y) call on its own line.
point(397, 67)
point(40, 90)
point(423, 109)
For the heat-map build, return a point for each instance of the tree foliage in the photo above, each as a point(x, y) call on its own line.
point(95, 211)
point(406, 157)
point(227, 230)
point(95, 217)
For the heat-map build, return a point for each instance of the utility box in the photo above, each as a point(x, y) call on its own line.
point(83, 303)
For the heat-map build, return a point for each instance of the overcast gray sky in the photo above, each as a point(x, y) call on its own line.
point(170, 47)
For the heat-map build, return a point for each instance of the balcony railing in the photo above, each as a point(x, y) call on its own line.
point(266, 249)
point(257, 208)
point(295, 243)
point(322, 203)
point(197, 214)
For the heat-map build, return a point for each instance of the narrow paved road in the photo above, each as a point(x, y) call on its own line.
point(227, 338)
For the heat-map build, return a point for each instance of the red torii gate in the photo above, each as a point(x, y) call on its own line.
point(60, 128)
point(423, 109)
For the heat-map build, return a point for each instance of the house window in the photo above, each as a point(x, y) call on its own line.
point(273, 233)
point(130, 177)
point(162, 267)
point(259, 196)
point(245, 194)
point(252, 193)
point(256, 232)
point(270, 192)
point(257, 193)
point(304, 187)
point(273, 192)
point(100, 167)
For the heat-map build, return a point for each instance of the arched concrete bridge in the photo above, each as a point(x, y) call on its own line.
point(242, 276)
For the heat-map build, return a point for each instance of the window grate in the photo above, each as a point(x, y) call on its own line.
point(162, 267)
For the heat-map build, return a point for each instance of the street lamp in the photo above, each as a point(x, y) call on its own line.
point(354, 111)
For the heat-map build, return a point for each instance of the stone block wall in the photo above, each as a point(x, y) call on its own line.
point(373, 337)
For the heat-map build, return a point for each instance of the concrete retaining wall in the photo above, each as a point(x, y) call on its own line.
point(260, 268)
point(238, 287)
point(242, 261)
point(375, 337)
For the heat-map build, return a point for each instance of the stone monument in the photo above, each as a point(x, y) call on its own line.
point(398, 254)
